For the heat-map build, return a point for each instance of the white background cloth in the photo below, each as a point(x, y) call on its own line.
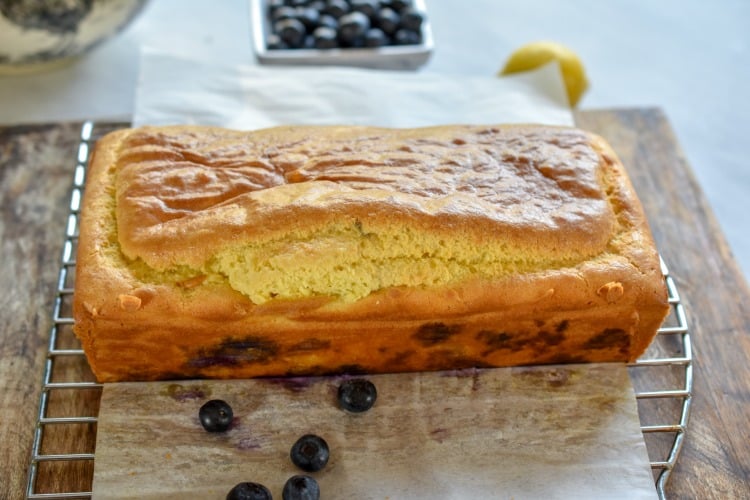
point(247, 97)
point(689, 57)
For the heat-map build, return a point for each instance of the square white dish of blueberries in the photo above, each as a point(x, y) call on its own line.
point(380, 34)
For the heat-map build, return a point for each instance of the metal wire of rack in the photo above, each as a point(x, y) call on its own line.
point(61, 350)
point(662, 355)
point(67, 382)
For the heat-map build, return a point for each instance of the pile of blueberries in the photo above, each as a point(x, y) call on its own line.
point(310, 452)
point(329, 24)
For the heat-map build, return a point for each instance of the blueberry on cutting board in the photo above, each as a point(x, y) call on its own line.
point(301, 488)
point(249, 491)
point(216, 415)
point(310, 453)
point(357, 395)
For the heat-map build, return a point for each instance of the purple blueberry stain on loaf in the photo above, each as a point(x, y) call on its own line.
point(550, 338)
point(234, 352)
point(351, 369)
point(498, 340)
point(609, 338)
point(441, 359)
point(400, 359)
point(566, 359)
point(310, 345)
point(431, 334)
point(540, 342)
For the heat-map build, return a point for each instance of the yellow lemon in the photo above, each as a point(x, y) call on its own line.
point(536, 54)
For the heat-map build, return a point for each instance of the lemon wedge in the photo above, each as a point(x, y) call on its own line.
point(537, 54)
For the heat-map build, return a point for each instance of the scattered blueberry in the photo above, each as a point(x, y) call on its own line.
point(310, 453)
point(216, 415)
point(301, 488)
point(357, 395)
point(249, 491)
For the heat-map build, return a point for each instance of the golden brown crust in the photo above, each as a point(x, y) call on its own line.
point(184, 192)
point(174, 196)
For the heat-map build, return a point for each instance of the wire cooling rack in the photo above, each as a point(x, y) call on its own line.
point(65, 431)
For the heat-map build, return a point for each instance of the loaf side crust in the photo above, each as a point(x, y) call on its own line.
point(573, 273)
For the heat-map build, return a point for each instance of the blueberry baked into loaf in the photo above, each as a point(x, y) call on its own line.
point(306, 250)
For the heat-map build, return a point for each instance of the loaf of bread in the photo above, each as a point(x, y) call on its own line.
point(307, 250)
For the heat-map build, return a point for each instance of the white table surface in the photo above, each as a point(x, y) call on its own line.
point(689, 57)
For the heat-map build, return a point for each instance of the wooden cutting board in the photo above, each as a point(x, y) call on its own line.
point(37, 164)
point(543, 432)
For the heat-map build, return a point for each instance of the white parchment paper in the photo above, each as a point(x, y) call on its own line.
point(546, 432)
point(179, 90)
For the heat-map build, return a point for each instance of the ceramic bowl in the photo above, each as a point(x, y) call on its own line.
point(38, 34)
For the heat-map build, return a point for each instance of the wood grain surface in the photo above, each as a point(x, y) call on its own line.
point(35, 170)
point(715, 460)
point(36, 165)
